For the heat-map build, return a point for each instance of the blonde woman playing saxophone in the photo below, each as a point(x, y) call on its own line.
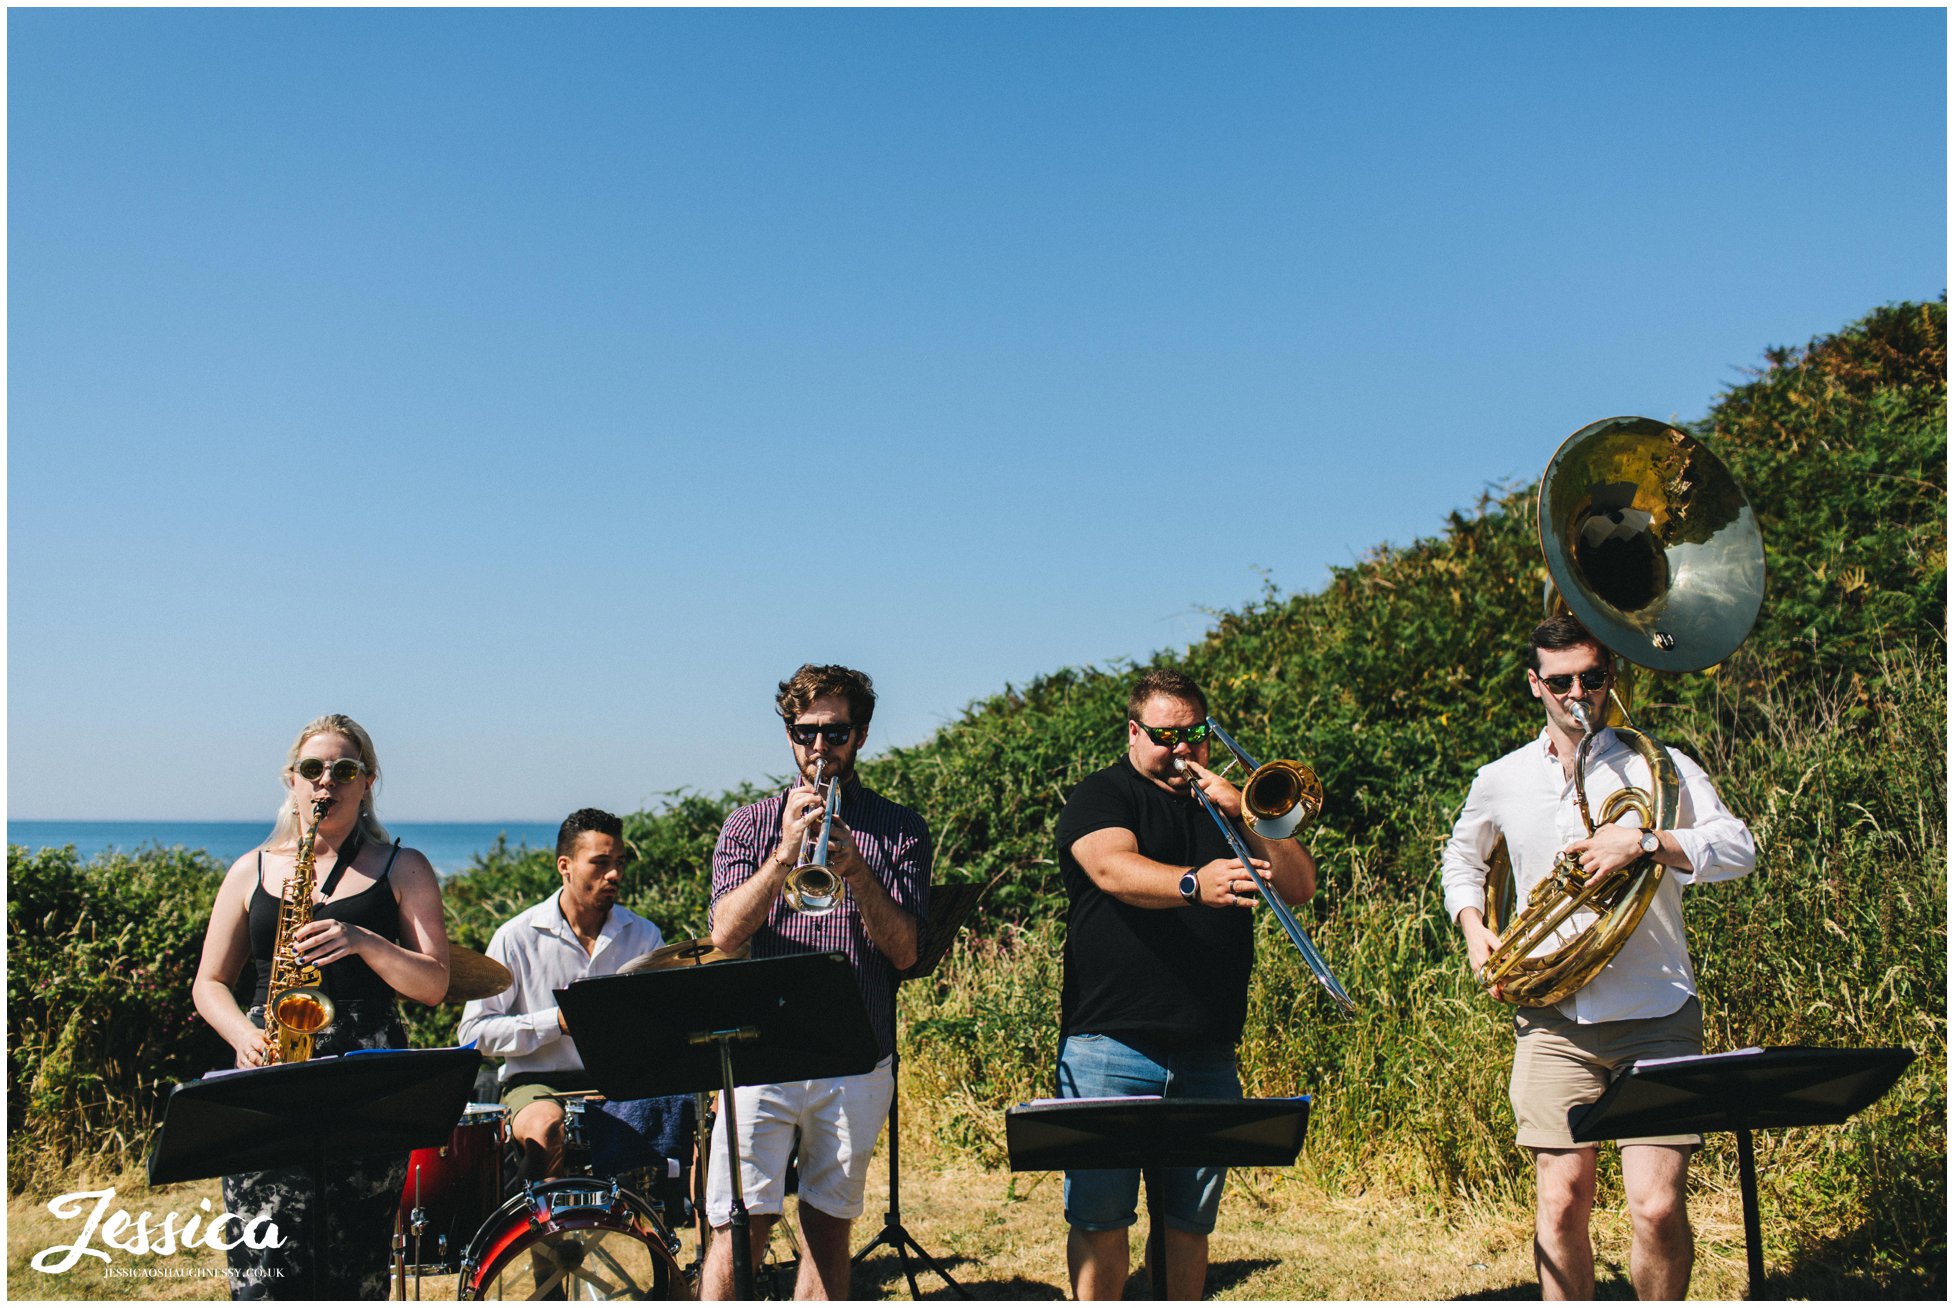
point(375, 931)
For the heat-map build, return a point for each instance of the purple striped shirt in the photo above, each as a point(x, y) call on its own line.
point(893, 841)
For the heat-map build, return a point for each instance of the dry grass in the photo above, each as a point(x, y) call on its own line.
point(1003, 1237)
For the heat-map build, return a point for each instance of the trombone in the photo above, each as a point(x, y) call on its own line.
point(1279, 798)
point(812, 889)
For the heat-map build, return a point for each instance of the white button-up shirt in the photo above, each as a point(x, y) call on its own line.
point(542, 951)
point(1527, 797)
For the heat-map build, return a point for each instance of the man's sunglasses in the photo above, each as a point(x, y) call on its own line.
point(343, 769)
point(1168, 737)
point(835, 733)
point(1592, 679)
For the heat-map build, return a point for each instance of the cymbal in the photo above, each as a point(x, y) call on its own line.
point(474, 976)
point(683, 953)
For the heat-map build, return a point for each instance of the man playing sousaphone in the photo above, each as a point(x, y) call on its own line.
point(869, 905)
point(1641, 1004)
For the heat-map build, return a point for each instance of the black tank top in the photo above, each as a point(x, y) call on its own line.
point(350, 979)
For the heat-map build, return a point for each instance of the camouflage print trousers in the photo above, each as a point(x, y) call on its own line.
point(362, 1196)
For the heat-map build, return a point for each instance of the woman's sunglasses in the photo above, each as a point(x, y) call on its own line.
point(1592, 679)
point(343, 769)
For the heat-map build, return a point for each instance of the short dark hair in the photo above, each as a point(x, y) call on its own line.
point(812, 681)
point(586, 819)
point(1562, 631)
point(1164, 681)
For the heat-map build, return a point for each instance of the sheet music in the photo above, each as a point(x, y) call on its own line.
point(1100, 1099)
point(1696, 1058)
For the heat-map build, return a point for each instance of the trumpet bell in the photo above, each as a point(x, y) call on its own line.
point(812, 890)
point(1651, 543)
point(1280, 798)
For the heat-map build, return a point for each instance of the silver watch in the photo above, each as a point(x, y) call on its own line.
point(1651, 842)
point(1191, 887)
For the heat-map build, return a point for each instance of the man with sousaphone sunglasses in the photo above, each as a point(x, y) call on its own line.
point(825, 866)
point(1158, 950)
point(1641, 1002)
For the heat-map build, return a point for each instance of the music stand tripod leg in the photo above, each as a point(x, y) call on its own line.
point(736, 1226)
point(1753, 1231)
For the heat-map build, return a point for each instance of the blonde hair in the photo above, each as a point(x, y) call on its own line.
point(334, 724)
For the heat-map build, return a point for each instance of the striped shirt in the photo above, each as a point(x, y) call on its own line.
point(893, 841)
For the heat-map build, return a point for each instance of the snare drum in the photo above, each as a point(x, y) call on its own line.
point(573, 1239)
point(455, 1187)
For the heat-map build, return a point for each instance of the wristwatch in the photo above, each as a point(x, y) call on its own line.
point(1651, 842)
point(1191, 887)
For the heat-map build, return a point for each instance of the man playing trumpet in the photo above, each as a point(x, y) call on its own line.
point(869, 906)
point(1157, 959)
point(1642, 1004)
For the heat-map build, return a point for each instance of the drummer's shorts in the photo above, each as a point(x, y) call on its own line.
point(838, 1119)
point(522, 1090)
point(1561, 1066)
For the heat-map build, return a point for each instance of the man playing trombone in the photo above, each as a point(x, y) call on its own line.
point(1642, 1004)
point(793, 874)
point(1158, 951)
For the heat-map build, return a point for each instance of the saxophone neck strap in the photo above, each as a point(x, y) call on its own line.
point(347, 855)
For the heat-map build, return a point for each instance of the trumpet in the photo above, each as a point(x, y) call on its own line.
point(812, 889)
point(1279, 798)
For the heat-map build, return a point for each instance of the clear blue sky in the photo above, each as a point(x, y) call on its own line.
point(540, 387)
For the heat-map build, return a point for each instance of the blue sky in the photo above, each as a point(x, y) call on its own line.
point(540, 387)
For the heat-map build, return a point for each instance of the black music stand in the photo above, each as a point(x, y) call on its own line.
point(299, 1114)
point(671, 1031)
point(1748, 1090)
point(950, 907)
point(1150, 1133)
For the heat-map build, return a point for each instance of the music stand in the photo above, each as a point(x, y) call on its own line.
point(950, 907)
point(1747, 1090)
point(795, 1018)
point(299, 1114)
point(1151, 1133)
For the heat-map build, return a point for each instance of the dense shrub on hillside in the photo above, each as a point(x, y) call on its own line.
point(100, 956)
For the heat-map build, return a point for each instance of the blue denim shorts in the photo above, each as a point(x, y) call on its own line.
point(1107, 1199)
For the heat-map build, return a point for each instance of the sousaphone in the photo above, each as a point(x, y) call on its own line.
point(1651, 544)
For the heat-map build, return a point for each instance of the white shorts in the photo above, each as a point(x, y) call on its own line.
point(839, 1119)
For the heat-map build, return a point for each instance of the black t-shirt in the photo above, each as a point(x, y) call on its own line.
point(1175, 976)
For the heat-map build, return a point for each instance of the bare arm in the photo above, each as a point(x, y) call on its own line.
point(1111, 857)
point(891, 928)
point(227, 947)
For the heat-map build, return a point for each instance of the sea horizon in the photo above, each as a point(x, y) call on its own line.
point(450, 846)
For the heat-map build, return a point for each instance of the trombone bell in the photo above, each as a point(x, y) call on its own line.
point(1280, 798)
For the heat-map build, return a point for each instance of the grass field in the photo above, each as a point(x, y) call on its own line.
point(1002, 1236)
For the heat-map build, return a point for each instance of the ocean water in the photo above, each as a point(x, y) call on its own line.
point(450, 846)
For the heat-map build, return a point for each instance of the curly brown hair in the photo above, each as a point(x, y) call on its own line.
point(814, 680)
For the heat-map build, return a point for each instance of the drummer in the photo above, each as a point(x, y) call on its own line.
point(580, 931)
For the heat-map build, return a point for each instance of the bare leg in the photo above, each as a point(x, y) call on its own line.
point(1097, 1261)
point(1656, 1178)
point(824, 1255)
point(716, 1279)
point(538, 1130)
point(1563, 1254)
point(1187, 1265)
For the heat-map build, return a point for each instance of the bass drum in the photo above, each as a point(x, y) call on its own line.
point(573, 1239)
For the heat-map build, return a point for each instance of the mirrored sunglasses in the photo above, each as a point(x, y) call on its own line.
point(1168, 737)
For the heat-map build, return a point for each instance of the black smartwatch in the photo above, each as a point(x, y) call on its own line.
point(1191, 887)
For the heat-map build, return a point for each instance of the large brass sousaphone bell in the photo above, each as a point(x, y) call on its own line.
point(1652, 545)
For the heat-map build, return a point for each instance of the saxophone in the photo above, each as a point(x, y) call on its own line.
point(296, 1008)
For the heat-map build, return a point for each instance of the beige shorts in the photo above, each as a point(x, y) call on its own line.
point(1560, 1066)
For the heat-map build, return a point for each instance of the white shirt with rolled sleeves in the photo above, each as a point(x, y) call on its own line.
point(543, 953)
point(1526, 797)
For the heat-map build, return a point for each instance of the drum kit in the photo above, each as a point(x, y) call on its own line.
point(583, 1236)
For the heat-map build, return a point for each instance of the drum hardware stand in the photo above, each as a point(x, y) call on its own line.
point(1746, 1090)
point(950, 907)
